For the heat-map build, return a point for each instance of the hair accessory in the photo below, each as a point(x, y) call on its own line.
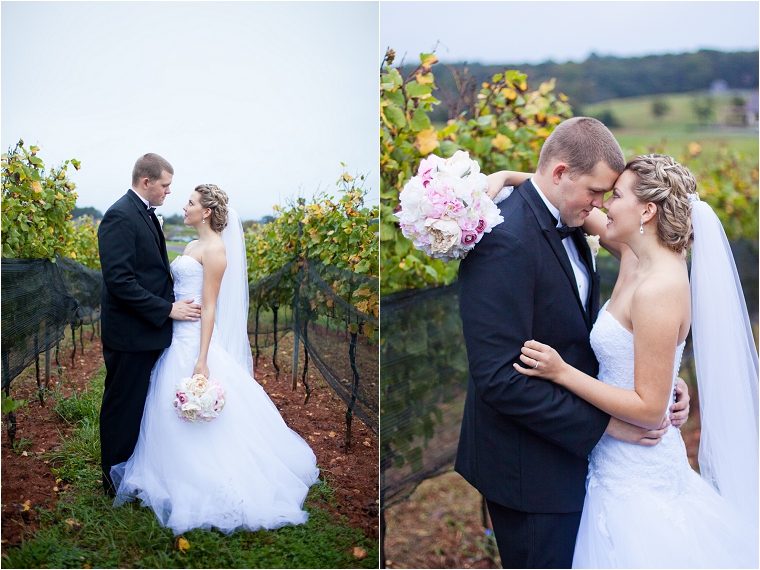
point(693, 197)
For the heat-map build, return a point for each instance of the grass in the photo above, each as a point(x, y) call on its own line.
point(636, 112)
point(85, 530)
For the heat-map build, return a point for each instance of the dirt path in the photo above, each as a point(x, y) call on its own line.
point(28, 485)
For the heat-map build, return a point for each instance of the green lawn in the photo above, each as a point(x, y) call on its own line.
point(84, 530)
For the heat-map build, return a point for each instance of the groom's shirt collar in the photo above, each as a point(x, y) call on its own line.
point(554, 211)
point(144, 201)
point(579, 269)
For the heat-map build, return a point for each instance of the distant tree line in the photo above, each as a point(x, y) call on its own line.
point(602, 78)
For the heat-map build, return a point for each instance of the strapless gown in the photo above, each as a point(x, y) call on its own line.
point(646, 507)
point(244, 470)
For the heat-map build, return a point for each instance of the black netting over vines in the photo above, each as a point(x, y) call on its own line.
point(340, 339)
point(40, 299)
point(423, 387)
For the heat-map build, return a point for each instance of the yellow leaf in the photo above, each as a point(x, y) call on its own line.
point(501, 142)
point(427, 141)
point(26, 505)
point(73, 524)
point(37, 187)
point(182, 544)
point(694, 149)
point(59, 196)
point(360, 553)
point(510, 94)
point(332, 434)
point(425, 79)
point(429, 60)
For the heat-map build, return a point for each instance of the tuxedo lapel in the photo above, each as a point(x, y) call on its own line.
point(584, 252)
point(157, 235)
point(549, 229)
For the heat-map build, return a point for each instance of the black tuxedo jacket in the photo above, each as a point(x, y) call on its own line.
point(525, 441)
point(138, 292)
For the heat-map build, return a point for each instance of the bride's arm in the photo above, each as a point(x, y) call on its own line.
point(656, 324)
point(502, 178)
point(214, 264)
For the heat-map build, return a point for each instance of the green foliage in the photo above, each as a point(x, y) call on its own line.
point(84, 243)
point(602, 78)
point(341, 233)
point(10, 405)
point(660, 107)
point(503, 128)
point(36, 206)
point(608, 117)
point(94, 213)
point(704, 109)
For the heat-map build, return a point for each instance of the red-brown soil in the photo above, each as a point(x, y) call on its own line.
point(28, 485)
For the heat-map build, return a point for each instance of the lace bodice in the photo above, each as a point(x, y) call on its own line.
point(623, 468)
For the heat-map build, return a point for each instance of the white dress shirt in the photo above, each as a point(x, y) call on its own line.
point(579, 268)
point(143, 200)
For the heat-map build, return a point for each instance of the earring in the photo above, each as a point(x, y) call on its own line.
point(203, 221)
point(641, 227)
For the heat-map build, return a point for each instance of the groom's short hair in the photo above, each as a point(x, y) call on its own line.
point(151, 166)
point(582, 142)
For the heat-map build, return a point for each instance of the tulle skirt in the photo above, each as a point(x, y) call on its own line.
point(244, 470)
point(692, 528)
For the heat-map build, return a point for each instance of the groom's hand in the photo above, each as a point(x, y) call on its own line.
point(630, 433)
point(185, 311)
point(680, 409)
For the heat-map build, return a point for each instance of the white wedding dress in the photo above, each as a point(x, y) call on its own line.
point(645, 507)
point(244, 470)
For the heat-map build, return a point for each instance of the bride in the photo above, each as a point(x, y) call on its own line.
point(245, 469)
point(645, 507)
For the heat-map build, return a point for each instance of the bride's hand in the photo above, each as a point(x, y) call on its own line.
point(496, 182)
point(542, 360)
point(201, 368)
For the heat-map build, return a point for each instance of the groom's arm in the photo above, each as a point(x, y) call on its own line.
point(118, 260)
point(498, 284)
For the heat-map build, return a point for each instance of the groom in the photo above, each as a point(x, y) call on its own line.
point(137, 307)
point(525, 441)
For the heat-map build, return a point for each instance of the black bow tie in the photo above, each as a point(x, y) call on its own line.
point(564, 231)
point(151, 209)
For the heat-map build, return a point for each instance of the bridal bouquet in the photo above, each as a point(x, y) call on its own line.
point(445, 209)
point(198, 398)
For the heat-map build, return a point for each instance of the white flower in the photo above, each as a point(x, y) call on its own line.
point(160, 220)
point(444, 209)
point(444, 234)
point(593, 245)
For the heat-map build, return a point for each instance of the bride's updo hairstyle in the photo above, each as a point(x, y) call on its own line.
point(661, 180)
point(215, 198)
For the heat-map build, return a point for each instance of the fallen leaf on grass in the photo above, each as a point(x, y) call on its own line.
point(182, 544)
point(74, 524)
point(360, 553)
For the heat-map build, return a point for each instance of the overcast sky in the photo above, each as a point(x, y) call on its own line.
point(534, 32)
point(260, 98)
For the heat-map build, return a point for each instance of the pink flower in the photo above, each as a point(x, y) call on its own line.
point(469, 237)
point(481, 227)
point(426, 170)
point(182, 397)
